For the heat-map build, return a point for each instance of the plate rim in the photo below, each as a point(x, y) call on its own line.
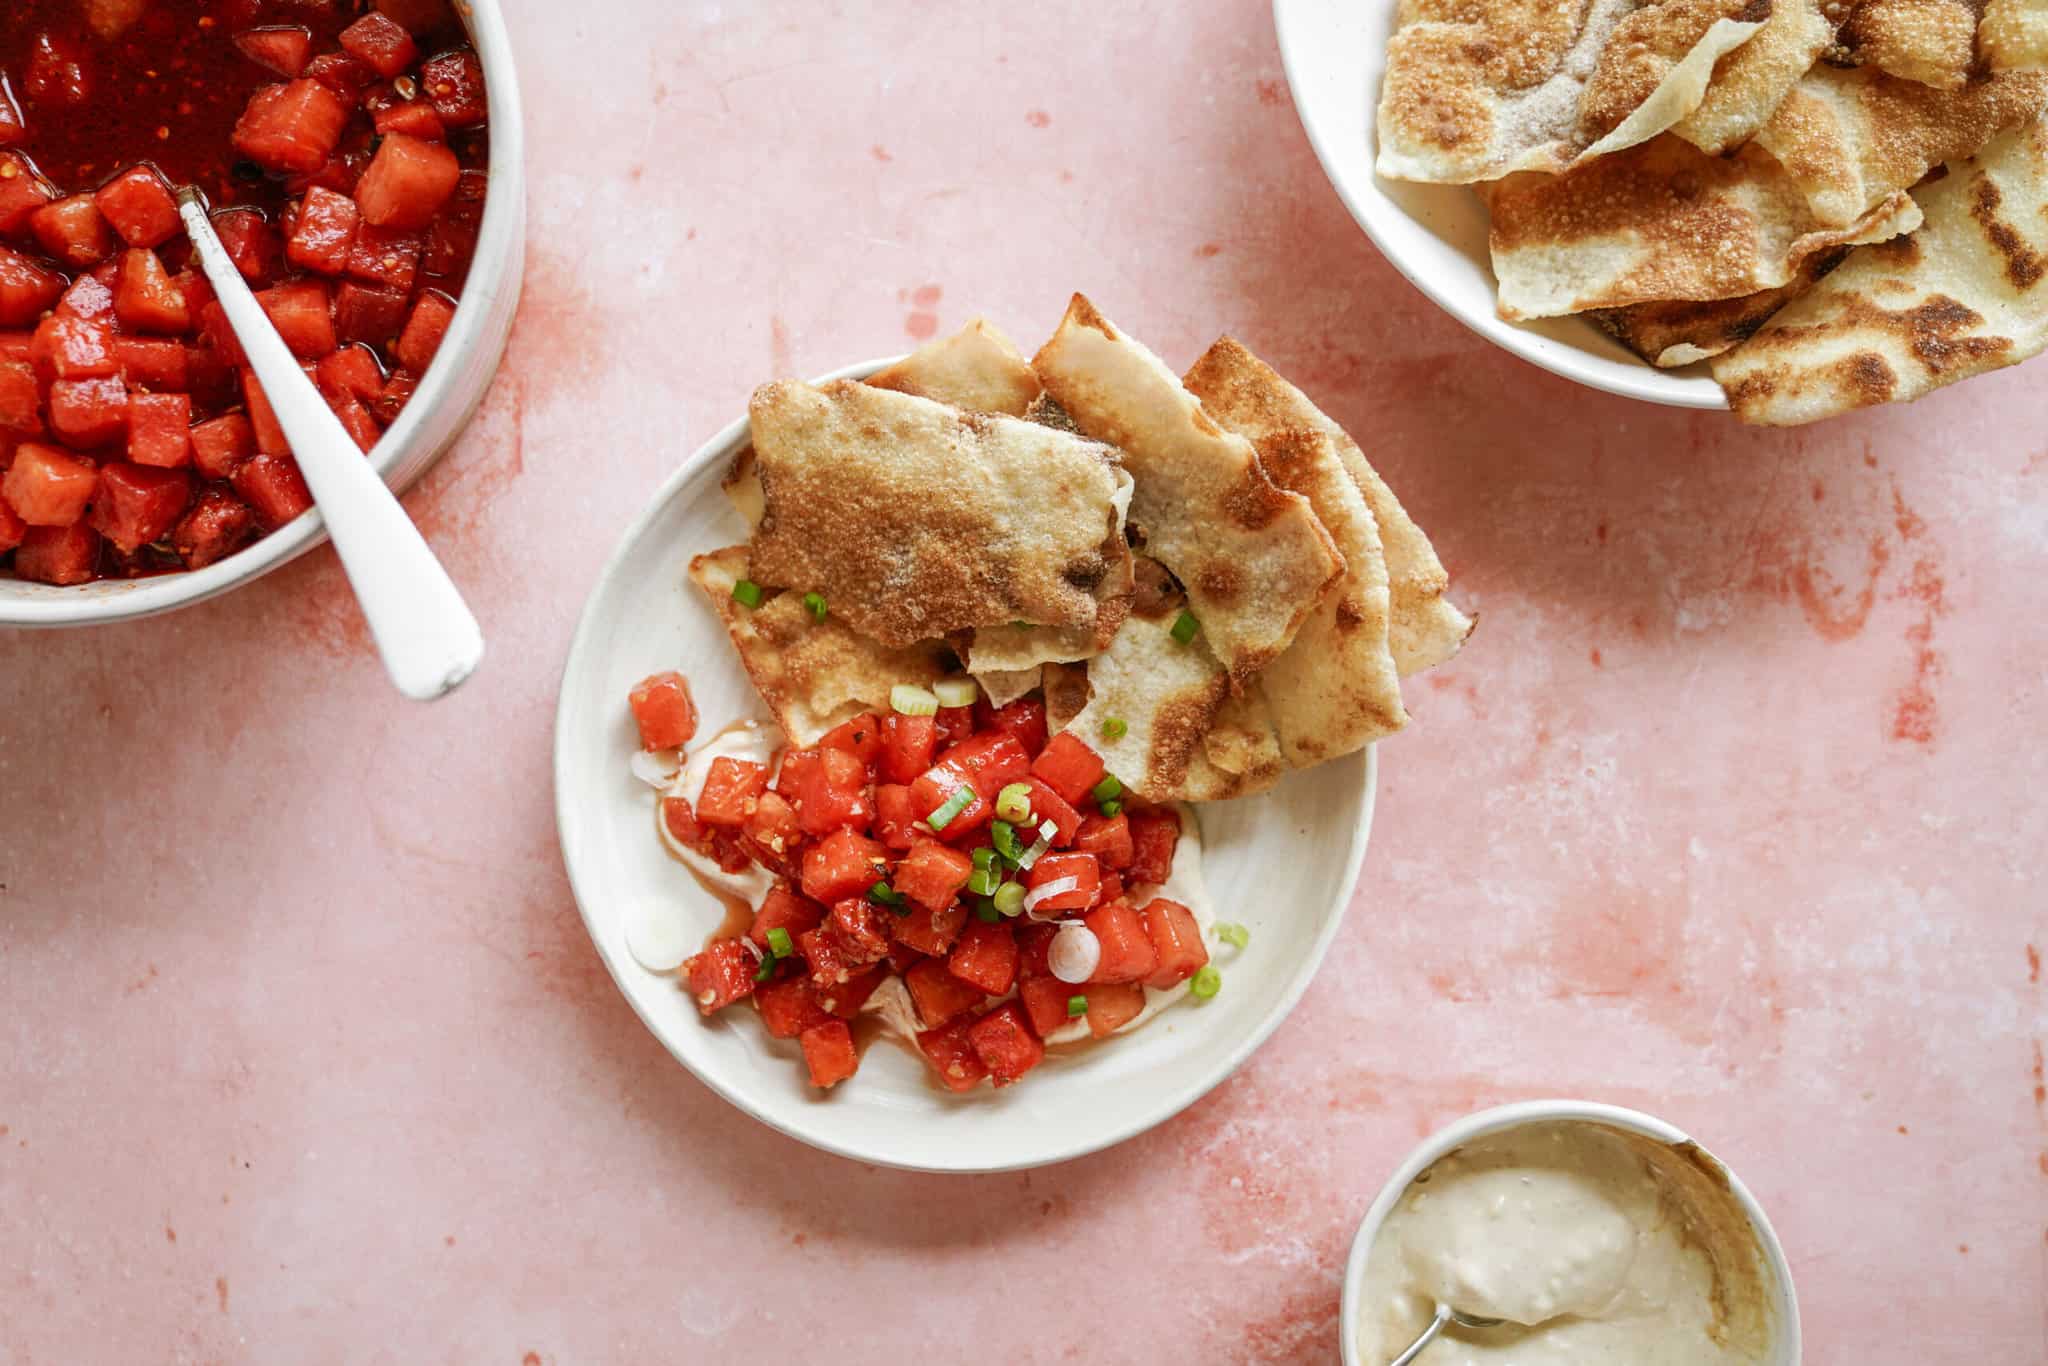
point(719, 446)
point(1635, 379)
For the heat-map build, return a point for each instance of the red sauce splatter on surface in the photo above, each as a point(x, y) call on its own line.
point(1038, 118)
point(1300, 1330)
point(1207, 250)
point(880, 153)
point(1272, 92)
point(1914, 715)
point(1596, 658)
point(220, 1289)
point(170, 1234)
point(2033, 973)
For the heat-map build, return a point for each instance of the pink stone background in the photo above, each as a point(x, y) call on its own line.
point(1731, 811)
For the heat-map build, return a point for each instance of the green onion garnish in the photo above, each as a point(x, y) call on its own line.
point(1013, 803)
point(747, 593)
point(882, 894)
point(1233, 934)
point(984, 881)
point(1009, 898)
point(1077, 1006)
point(767, 968)
point(778, 942)
point(908, 699)
point(1110, 809)
point(1185, 626)
point(956, 692)
point(1206, 982)
point(1106, 789)
point(985, 911)
point(814, 603)
point(1019, 624)
point(951, 807)
point(984, 857)
point(1114, 728)
point(1003, 836)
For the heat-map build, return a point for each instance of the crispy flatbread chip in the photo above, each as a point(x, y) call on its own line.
point(1848, 138)
point(1335, 689)
point(1474, 91)
point(2013, 35)
point(1167, 695)
point(1681, 332)
point(915, 519)
point(1749, 82)
point(1930, 42)
point(1660, 222)
point(1966, 293)
point(1253, 557)
point(1004, 686)
point(977, 368)
point(1240, 754)
point(813, 675)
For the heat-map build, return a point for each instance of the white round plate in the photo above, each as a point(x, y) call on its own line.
point(1334, 52)
point(1283, 864)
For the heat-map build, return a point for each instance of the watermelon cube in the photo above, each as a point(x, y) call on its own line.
point(20, 399)
point(958, 1066)
point(72, 232)
point(1081, 868)
point(407, 182)
point(146, 299)
point(351, 372)
point(323, 232)
point(1127, 952)
point(1177, 945)
point(932, 932)
point(372, 314)
point(46, 486)
point(251, 243)
point(932, 875)
point(220, 445)
point(85, 413)
point(214, 527)
point(159, 430)
point(454, 83)
point(789, 1006)
point(140, 207)
point(26, 289)
point(300, 312)
point(293, 127)
point(385, 256)
point(730, 790)
point(1003, 1040)
point(12, 529)
point(897, 823)
point(61, 555)
point(784, 910)
point(284, 49)
point(158, 363)
point(414, 118)
point(1111, 1006)
point(1045, 1003)
point(70, 347)
point(720, 975)
point(986, 956)
point(380, 44)
point(1154, 836)
point(829, 1053)
point(270, 437)
point(1068, 767)
point(135, 505)
point(845, 999)
point(22, 192)
point(843, 864)
point(663, 710)
point(421, 340)
point(1108, 838)
point(273, 488)
point(939, 996)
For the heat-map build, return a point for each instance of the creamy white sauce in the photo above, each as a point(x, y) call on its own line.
point(751, 742)
point(1564, 1229)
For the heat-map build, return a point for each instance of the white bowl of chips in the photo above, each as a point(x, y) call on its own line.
point(1335, 52)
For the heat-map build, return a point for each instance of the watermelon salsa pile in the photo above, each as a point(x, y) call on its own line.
point(342, 147)
point(957, 847)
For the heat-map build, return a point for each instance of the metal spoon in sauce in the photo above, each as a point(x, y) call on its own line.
point(1445, 1316)
point(426, 633)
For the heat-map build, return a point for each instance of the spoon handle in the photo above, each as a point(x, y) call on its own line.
point(426, 634)
point(1436, 1325)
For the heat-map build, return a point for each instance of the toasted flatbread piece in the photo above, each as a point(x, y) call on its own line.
point(1966, 293)
point(812, 675)
point(1474, 91)
point(1004, 686)
point(977, 368)
point(1167, 695)
point(1335, 689)
point(1850, 137)
point(1253, 557)
point(1660, 222)
point(915, 519)
point(1681, 333)
point(1240, 755)
point(1931, 42)
point(2013, 35)
point(1749, 82)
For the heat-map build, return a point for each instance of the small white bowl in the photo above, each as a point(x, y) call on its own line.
point(1283, 864)
point(1334, 52)
point(448, 393)
point(1782, 1304)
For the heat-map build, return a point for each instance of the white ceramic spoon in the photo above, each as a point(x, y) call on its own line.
point(428, 637)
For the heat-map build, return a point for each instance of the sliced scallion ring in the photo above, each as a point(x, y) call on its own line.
point(1077, 1006)
point(1206, 982)
point(1114, 727)
point(1003, 836)
point(984, 857)
point(1110, 809)
point(1046, 891)
point(1013, 803)
point(907, 699)
point(1233, 934)
point(983, 882)
point(779, 944)
point(1107, 789)
point(1184, 627)
point(985, 911)
point(882, 894)
point(1037, 850)
point(814, 603)
point(1009, 898)
point(951, 807)
point(747, 593)
point(956, 692)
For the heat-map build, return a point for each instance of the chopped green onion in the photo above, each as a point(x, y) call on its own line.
point(1010, 898)
point(1003, 836)
point(747, 593)
point(910, 700)
point(882, 894)
point(767, 968)
point(1110, 809)
point(951, 807)
point(1013, 803)
point(1077, 1006)
point(1106, 789)
point(1019, 624)
point(1206, 982)
point(984, 881)
point(778, 942)
point(986, 912)
point(1185, 626)
point(984, 857)
point(1233, 934)
point(956, 692)
point(1113, 728)
point(814, 603)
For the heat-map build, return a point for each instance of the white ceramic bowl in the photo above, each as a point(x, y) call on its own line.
point(1283, 864)
point(1334, 52)
point(1783, 1303)
point(448, 393)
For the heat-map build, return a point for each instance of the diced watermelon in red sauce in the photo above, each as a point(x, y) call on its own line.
point(829, 1053)
point(342, 74)
point(300, 312)
point(22, 192)
point(789, 1006)
point(12, 528)
point(90, 298)
point(1045, 1003)
point(291, 127)
point(220, 445)
point(931, 932)
point(986, 955)
point(389, 257)
point(380, 44)
point(270, 437)
point(69, 347)
point(861, 736)
point(1003, 1040)
point(1154, 836)
point(46, 486)
point(953, 1056)
point(62, 555)
point(857, 931)
point(1051, 868)
point(140, 207)
point(829, 788)
point(841, 865)
point(1024, 719)
point(323, 232)
point(664, 711)
point(421, 341)
point(21, 399)
point(1068, 767)
point(940, 996)
point(783, 909)
point(454, 83)
point(133, 505)
point(251, 243)
point(1111, 1006)
point(158, 364)
point(159, 430)
point(952, 725)
point(844, 1000)
point(273, 488)
point(371, 314)
point(414, 118)
point(897, 820)
point(353, 372)
point(908, 743)
point(284, 49)
point(1048, 805)
point(1127, 952)
point(26, 289)
point(72, 232)
point(773, 836)
point(731, 787)
point(146, 299)
point(1177, 946)
point(720, 975)
point(407, 182)
point(87, 413)
point(1106, 837)
point(215, 527)
point(931, 875)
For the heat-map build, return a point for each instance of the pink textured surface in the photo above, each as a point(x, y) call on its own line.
point(1730, 811)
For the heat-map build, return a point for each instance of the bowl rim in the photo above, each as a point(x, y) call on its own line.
point(1630, 378)
point(721, 446)
point(1499, 1118)
point(496, 268)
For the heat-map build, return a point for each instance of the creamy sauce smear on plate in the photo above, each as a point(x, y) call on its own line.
point(1566, 1231)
